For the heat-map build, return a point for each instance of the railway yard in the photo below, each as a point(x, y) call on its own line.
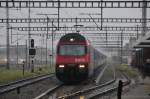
point(48, 87)
point(74, 49)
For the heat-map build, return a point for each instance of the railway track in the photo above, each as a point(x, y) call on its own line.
point(86, 91)
point(73, 90)
point(22, 83)
point(96, 86)
point(46, 94)
point(99, 90)
point(106, 91)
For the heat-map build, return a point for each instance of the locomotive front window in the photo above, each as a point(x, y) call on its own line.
point(75, 50)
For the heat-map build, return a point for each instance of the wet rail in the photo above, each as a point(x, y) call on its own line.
point(16, 85)
point(72, 89)
point(88, 90)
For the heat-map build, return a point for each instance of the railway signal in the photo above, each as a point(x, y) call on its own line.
point(32, 50)
point(32, 43)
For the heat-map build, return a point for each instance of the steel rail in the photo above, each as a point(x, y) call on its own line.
point(74, 4)
point(85, 90)
point(70, 96)
point(107, 91)
point(104, 92)
point(22, 80)
point(71, 20)
point(22, 83)
point(101, 74)
point(47, 92)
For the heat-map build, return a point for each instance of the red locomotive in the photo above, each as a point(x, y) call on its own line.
point(76, 58)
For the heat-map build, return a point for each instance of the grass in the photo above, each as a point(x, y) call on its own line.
point(7, 76)
point(128, 70)
point(147, 88)
point(43, 70)
point(109, 72)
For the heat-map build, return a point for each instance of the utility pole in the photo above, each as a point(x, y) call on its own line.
point(76, 24)
point(101, 14)
point(106, 37)
point(7, 36)
point(118, 48)
point(58, 13)
point(41, 50)
point(47, 38)
point(52, 43)
point(26, 42)
point(65, 29)
point(29, 34)
point(121, 45)
point(137, 35)
point(17, 49)
point(144, 16)
point(11, 34)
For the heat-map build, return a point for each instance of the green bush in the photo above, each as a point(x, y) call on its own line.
point(128, 70)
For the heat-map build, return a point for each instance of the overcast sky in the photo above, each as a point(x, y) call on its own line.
point(73, 13)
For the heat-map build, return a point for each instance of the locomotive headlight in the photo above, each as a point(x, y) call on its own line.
point(71, 39)
point(61, 66)
point(81, 66)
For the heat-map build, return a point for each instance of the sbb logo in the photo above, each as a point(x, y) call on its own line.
point(79, 60)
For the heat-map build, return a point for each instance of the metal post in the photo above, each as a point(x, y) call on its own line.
point(101, 14)
point(118, 48)
point(119, 89)
point(23, 68)
point(52, 42)
point(18, 90)
point(65, 29)
point(11, 34)
point(32, 67)
point(17, 49)
point(144, 15)
point(106, 37)
point(41, 51)
point(137, 35)
point(58, 12)
point(76, 24)
point(46, 39)
point(29, 34)
point(121, 44)
point(7, 40)
point(26, 42)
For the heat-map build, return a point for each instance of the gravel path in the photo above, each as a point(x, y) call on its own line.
point(138, 89)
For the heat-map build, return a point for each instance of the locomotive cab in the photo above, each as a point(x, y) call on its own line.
point(72, 59)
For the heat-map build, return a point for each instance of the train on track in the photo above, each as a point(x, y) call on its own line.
point(76, 58)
